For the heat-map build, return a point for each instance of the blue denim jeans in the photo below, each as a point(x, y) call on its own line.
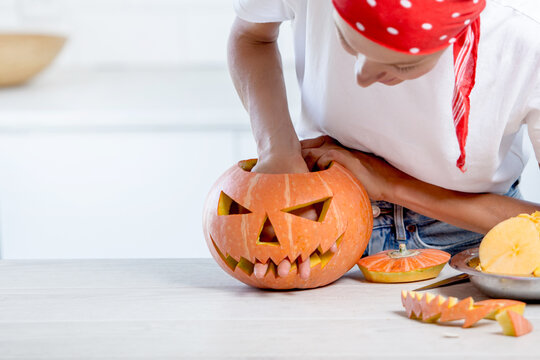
point(393, 224)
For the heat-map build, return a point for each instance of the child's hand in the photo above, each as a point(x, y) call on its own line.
point(281, 164)
point(377, 176)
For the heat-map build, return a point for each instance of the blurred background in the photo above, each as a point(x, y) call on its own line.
point(109, 152)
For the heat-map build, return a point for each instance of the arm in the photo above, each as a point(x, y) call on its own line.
point(255, 67)
point(256, 70)
point(475, 212)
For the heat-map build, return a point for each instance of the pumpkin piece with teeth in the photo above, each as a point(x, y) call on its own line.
point(431, 308)
point(255, 227)
point(403, 265)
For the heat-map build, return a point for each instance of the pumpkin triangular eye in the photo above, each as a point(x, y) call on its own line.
point(227, 206)
point(306, 210)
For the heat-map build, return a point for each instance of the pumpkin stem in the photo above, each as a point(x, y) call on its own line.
point(402, 252)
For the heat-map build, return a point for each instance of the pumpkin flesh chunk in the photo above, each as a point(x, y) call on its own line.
point(511, 247)
point(513, 324)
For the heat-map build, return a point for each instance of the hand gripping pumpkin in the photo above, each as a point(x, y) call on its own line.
point(241, 203)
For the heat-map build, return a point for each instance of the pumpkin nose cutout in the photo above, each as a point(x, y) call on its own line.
point(268, 234)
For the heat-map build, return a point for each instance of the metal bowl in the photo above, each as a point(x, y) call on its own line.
point(495, 285)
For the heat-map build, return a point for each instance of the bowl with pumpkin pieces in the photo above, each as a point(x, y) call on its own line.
point(507, 263)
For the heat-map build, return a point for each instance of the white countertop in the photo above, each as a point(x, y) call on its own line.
point(189, 308)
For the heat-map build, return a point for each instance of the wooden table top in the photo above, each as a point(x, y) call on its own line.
point(189, 308)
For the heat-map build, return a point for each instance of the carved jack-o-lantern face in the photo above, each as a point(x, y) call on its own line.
point(242, 203)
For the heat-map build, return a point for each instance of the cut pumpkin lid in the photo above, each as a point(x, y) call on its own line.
point(404, 260)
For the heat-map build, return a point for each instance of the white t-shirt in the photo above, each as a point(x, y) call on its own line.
point(410, 124)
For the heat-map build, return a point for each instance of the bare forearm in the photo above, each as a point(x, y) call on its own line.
point(475, 212)
point(256, 70)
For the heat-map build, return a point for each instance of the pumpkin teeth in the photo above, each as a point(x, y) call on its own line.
point(317, 257)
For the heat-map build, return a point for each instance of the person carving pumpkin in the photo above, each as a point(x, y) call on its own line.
point(427, 102)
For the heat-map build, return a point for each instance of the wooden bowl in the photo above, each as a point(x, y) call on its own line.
point(22, 56)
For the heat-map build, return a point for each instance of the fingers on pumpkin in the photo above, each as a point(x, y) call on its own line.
point(313, 143)
point(260, 269)
point(304, 268)
point(284, 268)
point(310, 157)
point(332, 155)
point(267, 233)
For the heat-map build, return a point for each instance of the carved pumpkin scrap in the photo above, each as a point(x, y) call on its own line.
point(513, 323)
point(403, 265)
point(431, 308)
point(241, 203)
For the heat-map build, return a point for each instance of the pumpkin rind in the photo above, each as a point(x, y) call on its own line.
point(422, 264)
point(430, 308)
point(513, 324)
point(346, 221)
point(502, 305)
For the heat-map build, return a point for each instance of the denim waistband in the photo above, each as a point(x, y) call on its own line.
point(387, 208)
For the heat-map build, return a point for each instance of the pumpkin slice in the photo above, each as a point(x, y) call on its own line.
point(513, 324)
point(393, 266)
point(408, 299)
point(512, 247)
point(457, 311)
point(430, 308)
point(501, 305)
point(477, 313)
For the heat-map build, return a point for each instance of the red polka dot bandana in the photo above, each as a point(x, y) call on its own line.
point(424, 27)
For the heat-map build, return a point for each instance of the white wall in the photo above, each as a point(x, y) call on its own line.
point(131, 33)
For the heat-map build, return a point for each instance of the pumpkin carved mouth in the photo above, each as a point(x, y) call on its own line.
point(316, 258)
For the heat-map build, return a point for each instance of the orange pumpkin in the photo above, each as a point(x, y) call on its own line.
point(241, 203)
point(403, 265)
